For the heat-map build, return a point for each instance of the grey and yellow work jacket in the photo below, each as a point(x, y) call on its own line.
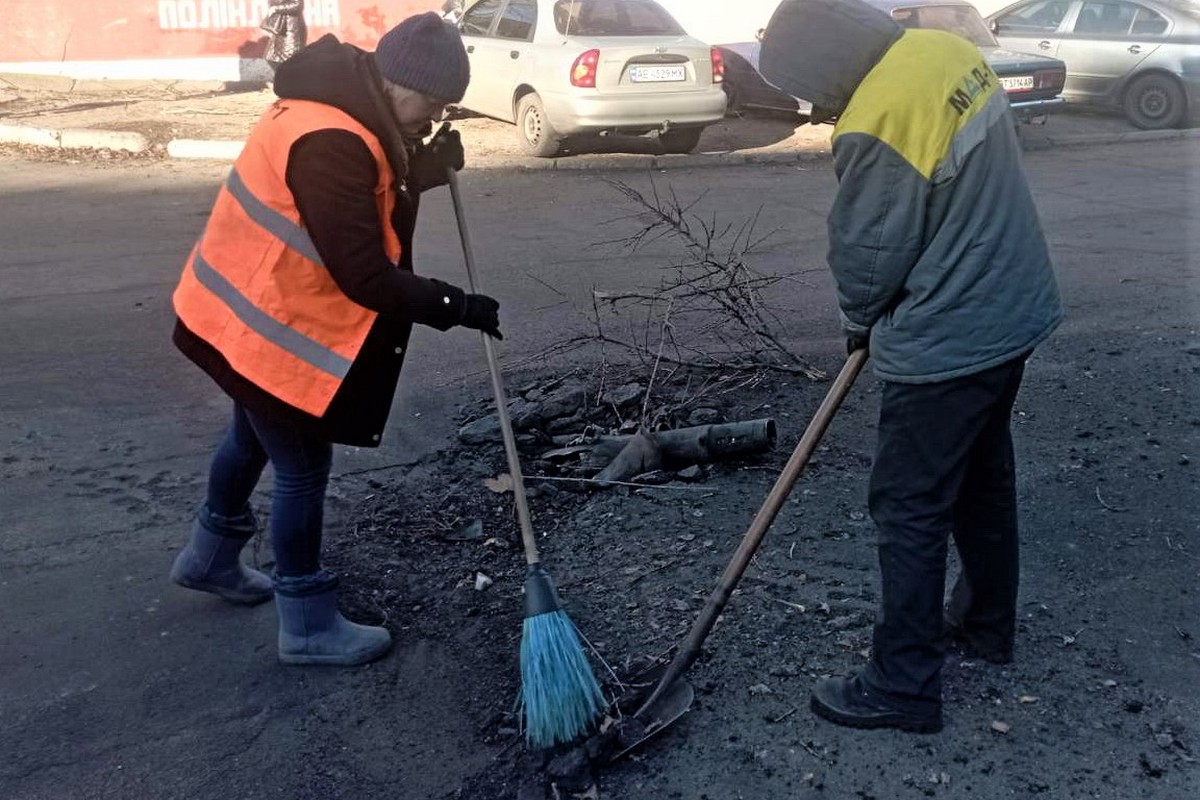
point(934, 240)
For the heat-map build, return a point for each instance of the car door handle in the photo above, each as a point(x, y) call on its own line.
point(470, 48)
point(1044, 45)
point(1135, 49)
point(514, 53)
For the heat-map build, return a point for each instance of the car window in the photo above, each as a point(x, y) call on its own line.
point(516, 22)
point(1040, 17)
point(478, 19)
point(614, 18)
point(963, 21)
point(1149, 23)
point(1106, 19)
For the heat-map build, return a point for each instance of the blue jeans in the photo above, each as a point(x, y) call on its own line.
point(301, 464)
point(944, 467)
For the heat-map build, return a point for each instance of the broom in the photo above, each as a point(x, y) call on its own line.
point(561, 694)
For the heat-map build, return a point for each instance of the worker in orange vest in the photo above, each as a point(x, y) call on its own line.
point(299, 299)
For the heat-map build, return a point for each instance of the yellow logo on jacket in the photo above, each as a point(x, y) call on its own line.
point(974, 84)
point(925, 89)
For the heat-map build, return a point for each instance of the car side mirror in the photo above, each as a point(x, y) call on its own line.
point(995, 26)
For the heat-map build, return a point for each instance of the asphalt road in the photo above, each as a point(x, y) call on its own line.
point(115, 683)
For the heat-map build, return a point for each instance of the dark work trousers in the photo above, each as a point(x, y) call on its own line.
point(944, 466)
point(301, 463)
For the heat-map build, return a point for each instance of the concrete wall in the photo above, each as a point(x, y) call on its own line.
point(183, 39)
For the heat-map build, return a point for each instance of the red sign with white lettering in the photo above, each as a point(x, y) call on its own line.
point(103, 30)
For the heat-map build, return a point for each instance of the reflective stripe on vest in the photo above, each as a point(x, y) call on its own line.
point(283, 228)
point(266, 326)
point(256, 289)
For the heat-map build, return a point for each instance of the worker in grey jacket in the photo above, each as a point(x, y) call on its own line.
point(943, 271)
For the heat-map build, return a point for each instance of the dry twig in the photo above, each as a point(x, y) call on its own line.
point(713, 297)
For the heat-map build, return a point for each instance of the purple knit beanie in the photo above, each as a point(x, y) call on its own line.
point(425, 53)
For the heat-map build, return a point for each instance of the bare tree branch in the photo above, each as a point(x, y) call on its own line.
point(715, 297)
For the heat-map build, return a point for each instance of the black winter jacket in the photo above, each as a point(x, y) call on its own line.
point(332, 176)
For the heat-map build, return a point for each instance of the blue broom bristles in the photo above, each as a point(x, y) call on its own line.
point(562, 697)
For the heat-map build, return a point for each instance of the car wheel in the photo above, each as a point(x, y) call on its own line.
point(534, 132)
point(1153, 102)
point(681, 140)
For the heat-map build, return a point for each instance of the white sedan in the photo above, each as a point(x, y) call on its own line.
point(561, 68)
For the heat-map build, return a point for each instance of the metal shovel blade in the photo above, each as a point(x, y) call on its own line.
point(669, 707)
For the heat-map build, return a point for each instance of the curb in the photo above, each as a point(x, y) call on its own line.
point(632, 161)
point(74, 138)
point(229, 150)
point(1032, 142)
point(38, 82)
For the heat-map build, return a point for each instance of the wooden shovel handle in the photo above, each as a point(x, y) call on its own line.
point(690, 649)
point(506, 430)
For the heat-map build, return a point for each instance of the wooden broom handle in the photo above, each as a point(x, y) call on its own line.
point(506, 431)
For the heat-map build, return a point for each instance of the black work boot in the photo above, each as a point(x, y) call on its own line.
point(211, 561)
point(849, 702)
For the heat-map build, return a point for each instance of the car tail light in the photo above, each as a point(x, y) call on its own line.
point(718, 64)
point(583, 71)
point(1052, 79)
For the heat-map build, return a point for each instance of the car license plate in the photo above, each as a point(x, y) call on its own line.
point(1018, 83)
point(657, 74)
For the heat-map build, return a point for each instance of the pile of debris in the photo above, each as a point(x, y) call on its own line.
point(607, 442)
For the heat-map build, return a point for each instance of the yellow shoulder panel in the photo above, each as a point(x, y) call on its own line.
point(896, 104)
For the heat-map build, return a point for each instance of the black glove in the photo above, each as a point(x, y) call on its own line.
point(428, 163)
point(481, 313)
point(857, 341)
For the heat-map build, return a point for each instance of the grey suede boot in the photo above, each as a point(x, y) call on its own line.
point(312, 631)
point(211, 560)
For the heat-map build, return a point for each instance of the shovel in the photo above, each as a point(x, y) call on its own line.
point(663, 706)
point(634, 729)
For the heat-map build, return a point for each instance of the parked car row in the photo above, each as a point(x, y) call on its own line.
point(1142, 57)
point(1032, 82)
point(559, 69)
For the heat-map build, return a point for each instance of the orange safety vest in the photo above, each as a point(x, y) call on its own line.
point(254, 286)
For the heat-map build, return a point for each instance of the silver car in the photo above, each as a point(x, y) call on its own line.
point(1031, 82)
point(1142, 57)
point(560, 68)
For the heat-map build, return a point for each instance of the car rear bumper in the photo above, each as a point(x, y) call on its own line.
point(635, 113)
point(1035, 106)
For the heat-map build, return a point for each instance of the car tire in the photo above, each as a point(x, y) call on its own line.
point(680, 140)
point(1155, 102)
point(534, 132)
